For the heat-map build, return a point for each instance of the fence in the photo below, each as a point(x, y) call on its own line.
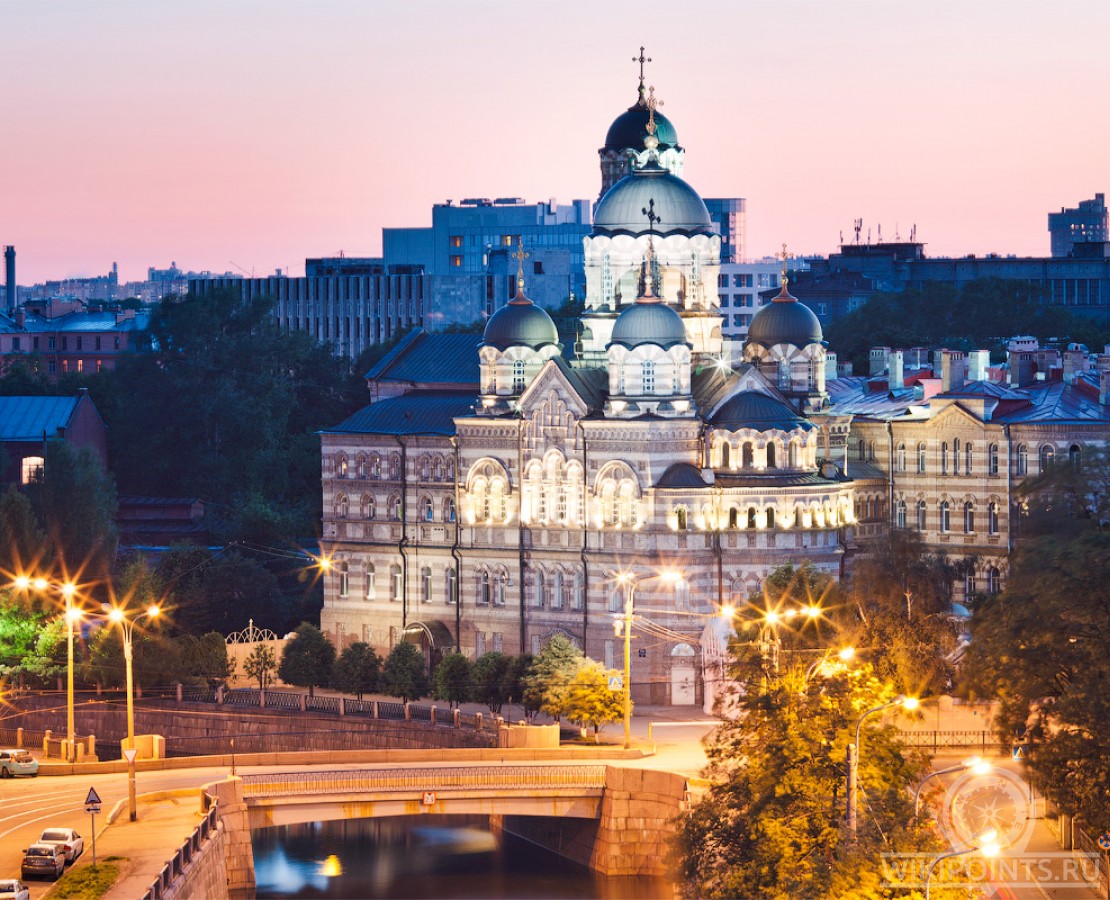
point(983, 741)
point(175, 868)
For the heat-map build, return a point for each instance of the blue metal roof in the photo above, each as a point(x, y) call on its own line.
point(430, 358)
point(27, 418)
point(421, 412)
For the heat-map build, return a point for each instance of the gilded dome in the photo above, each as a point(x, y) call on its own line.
point(520, 323)
point(678, 206)
point(785, 321)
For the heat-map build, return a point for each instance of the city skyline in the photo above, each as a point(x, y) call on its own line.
point(249, 136)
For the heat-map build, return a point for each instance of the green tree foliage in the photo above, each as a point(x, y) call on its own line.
point(307, 659)
point(22, 542)
point(1042, 646)
point(48, 659)
point(204, 660)
point(260, 665)
point(405, 673)
point(452, 679)
point(772, 821)
point(591, 702)
point(76, 504)
point(981, 314)
point(514, 681)
point(19, 631)
point(547, 684)
point(357, 670)
point(489, 680)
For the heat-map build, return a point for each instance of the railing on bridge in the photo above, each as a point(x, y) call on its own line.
point(175, 868)
point(984, 741)
point(372, 781)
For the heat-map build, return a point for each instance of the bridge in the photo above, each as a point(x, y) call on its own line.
point(573, 791)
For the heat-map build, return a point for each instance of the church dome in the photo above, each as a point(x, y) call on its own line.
point(520, 323)
point(648, 321)
point(754, 409)
point(678, 206)
point(630, 128)
point(785, 321)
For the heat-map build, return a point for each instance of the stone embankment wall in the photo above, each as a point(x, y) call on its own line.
point(206, 874)
point(633, 835)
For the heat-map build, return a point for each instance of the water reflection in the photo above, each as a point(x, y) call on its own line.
point(423, 857)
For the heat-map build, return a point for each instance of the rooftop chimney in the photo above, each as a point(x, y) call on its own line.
point(1104, 379)
point(895, 371)
point(1075, 361)
point(1022, 367)
point(978, 361)
point(878, 360)
point(952, 364)
point(9, 267)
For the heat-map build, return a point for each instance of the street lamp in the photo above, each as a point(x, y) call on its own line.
point(854, 753)
point(631, 583)
point(127, 631)
point(986, 844)
point(975, 764)
point(845, 655)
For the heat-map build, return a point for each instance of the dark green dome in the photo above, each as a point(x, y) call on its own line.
point(649, 322)
point(785, 321)
point(678, 206)
point(630, 128)
point(520, 323)
point(754, 409)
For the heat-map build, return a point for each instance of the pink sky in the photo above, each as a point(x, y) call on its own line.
point(264, 132)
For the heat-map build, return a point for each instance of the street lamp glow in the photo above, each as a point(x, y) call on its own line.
point(40, 584)
point(910, 703)
point(985, 844)
point(74, 615)
point(728, 611)
point(853, 754)
point(771, 617)
point(812, 611)
point(847, 654)
point(68, 590)
point(22, 582)
point(153, 611)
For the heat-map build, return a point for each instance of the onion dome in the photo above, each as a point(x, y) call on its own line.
point(785, 321)
point(520, 323)
point(630, 128)
point(679, 208)
point(762, 412)
point(648, 321)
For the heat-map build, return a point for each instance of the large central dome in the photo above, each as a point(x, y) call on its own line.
point(649, 322)
point(678, 206)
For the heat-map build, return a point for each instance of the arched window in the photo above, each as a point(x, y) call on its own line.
point(499, 589)
point(396, 583)
point(862, 449)
point(733, 517)
point(647, 377)
point(751, 517)
point(342, 506)
point(969, 456)
point(793, 455)
point(557, 589)
point(484, 595)
point(368, 507)
point(1075, 457)
point(499, 503)
point(540, 598)
point(871, 450)
point(449, 510)
point(681, 518)
point(992, 459)
point(770, 517)
point(992, 518)
point(921, 458)
point(900, 458)
point(1048, 457)
point(725, 448)
point(344, 573)
point(427, 509)
point(944, 458)
point(994, 580)
point(969, 517)
point(450, 585)
point(922, 514)
point(771, 456)
point(425, 468)
point(1022, 460)
point(375, 466)
point(969, 584)
point(578, 599)
point(426, 585)
point(341, 466)
point(616, 599)
point(956, 457)
point(33, 468)
point(518, 376)
point(395, 508)
point(362, 468)
point(945, 516)
point(437, 469)
point(748, 455)
point(901, 514)
point(371, 582)
point(394, 467)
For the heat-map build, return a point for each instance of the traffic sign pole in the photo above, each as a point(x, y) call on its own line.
point(129, 755)
point(92, 807)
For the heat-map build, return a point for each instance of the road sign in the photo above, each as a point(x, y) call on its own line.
point(429, 798)
point(616, 682)
point(1019, 751)
point(92, 802)
point(129, 755)
point(1104, 840)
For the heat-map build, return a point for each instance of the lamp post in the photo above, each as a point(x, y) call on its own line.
point(985, 844)
point(769, 642)
point(976, 764)
point(629, 607)
point(853, 757)
point(127, 631)
point(845, 655)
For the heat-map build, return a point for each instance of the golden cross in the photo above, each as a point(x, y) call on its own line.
point(519, 256)
point(652, 103)
point(641, 59)
point(784, 279)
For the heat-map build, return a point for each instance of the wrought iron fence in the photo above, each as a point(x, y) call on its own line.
point(175, 868)
point(942, 740)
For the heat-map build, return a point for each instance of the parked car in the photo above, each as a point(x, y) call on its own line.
point(13, 889)
point(17, 762)
point(44, 861)
point(72, 844)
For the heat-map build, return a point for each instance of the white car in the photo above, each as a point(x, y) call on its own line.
point(66, 838)
point(13, 889)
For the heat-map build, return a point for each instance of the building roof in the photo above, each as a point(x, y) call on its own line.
point(755, 409)
point(423, 357)
point(520, 323)
point(649, 321)
point(590, 384)
point(681, 475)
point(679, 208)
point(785, 321)
point(420, 412)
point(28, 418)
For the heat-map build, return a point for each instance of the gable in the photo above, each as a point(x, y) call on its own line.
point(549, 385)
point(747, 379)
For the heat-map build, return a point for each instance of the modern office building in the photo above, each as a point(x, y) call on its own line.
point(1086, 223)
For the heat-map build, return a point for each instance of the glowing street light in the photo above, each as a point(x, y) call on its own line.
point(127, 630)
point(631, 583)
point(974, 764)
point(854, 755)
point(985, 844)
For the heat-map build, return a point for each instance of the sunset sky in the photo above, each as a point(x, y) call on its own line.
point(264, 132)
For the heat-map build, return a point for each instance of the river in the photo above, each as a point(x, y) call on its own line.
point(424, 857)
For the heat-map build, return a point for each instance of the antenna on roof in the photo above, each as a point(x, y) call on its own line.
point(857, 225)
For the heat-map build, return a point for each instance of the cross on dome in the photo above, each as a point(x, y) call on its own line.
point(652, 104)
point(519, 256)
point(782, 256)
point(641, 59)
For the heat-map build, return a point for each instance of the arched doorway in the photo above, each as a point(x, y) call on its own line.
point(433, 639)
point(682, 675)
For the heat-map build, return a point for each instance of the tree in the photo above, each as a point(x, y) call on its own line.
point(205, 659)
point(356, 671)
point(1042, 646)
point(592, 703)
point(22, 542)
point(452, 679)
point(48, 658)
point(513, 681)
point(487, 679)
point(547, 684)
point(260, 666)
point(307, 659)
point(19, 632)
point(405, 673)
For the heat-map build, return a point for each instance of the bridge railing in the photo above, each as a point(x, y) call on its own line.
point(424, 779)
point(175, 868)
point(984, 741)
